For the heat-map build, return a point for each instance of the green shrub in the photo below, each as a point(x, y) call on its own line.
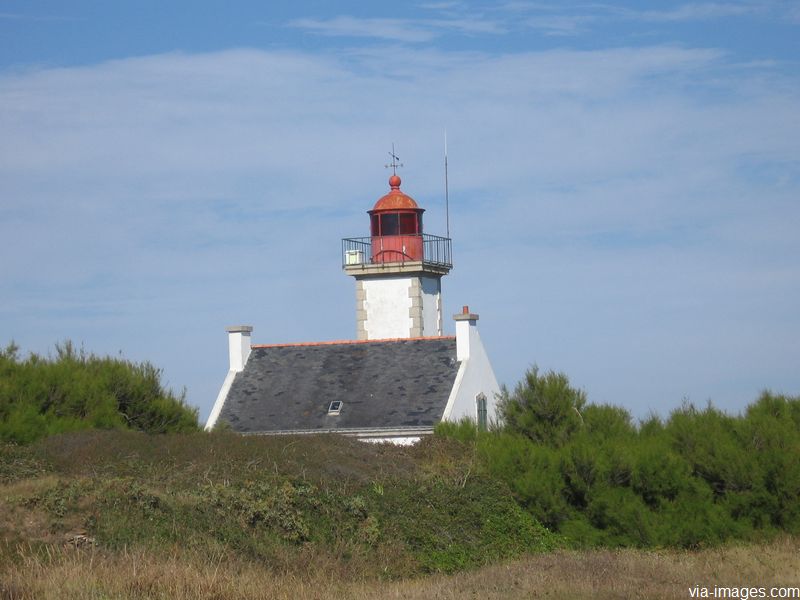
point(481, 523)
point(659, 473)
point(74, 391)
point(604, 421)
point(698, 478)
point(772, 426)
point(621, 517)
point(464, 430)
point(284, 503)
point(544, 408)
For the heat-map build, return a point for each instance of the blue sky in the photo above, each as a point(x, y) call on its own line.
point(623, 181)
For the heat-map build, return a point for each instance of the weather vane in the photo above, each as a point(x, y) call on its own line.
point(395, 161)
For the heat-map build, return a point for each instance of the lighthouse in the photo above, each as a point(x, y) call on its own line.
point(398, 270)
point(399, 378)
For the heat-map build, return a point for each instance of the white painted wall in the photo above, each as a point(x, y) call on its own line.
point(223, 394)
point(475, 375)
point(397, 441)
point(387, 304)
point(239, 349)
point(431, 305)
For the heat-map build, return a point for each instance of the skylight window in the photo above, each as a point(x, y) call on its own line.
point(335, 407)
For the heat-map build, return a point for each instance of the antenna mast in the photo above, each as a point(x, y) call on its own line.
point(446, 190)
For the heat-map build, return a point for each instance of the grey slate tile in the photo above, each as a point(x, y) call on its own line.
point(403, 383)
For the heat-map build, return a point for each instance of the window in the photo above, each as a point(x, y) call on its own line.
point(408, 224)
point(374, 225)
point(480, 405)
point(389, 224)
point(335, 407)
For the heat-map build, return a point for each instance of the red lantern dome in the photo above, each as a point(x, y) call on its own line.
point(395, 199)
point(396, 227)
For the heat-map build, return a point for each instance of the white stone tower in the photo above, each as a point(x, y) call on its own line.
point(398, 271)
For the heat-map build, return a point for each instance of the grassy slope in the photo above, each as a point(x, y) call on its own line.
point(295, 504)
point(562, 574)
point(126, 515)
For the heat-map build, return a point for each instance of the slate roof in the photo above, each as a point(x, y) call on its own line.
point(381, 384)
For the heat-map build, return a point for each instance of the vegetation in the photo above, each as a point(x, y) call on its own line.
point(94, 504)
point(41, 396)
point(698, 478)
point(89, 574)
point(325, 503)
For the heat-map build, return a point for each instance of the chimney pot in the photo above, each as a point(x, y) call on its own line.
point(238, 346)
point(466, 329)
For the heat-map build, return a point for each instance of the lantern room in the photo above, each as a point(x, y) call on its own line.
point(396, 227)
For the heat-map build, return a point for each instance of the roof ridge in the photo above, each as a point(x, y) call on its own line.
point(342, 342)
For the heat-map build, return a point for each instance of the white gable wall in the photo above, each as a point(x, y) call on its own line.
point(223, 394)
point(238, 352)
point(475, 376)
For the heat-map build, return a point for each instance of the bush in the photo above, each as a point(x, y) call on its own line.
point(544, 408)
point(288, 504)
point(699, 478)
point(74, 391)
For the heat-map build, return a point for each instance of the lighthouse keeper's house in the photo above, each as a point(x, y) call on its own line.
point(399, 378)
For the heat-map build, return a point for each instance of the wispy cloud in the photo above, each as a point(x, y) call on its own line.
point(29, 17)
point(561, 25)
point(571, 19)
point(552, 19)
point(441, 5)
point(400, 30)
point(701, 11)
point(386, 29)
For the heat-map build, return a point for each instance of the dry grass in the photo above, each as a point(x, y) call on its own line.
point(83, 494)
point(596, 574)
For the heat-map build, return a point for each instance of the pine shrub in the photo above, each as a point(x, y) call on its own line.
point(699, 478)
point(41, 396)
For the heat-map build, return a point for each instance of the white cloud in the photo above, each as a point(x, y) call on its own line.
point(552, 19)
point(620, 214)
point(386, 29)
point(560, 19)
point(441, 5)
point(29, 17)
point(397, 30)
point(703, 11)
point(561, 25)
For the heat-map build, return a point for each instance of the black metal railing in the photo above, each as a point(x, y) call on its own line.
point(436, 251)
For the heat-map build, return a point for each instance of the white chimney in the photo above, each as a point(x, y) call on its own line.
point(466, 329)
point(238, 346)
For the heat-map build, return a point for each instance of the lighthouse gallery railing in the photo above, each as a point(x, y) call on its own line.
point(436, 251)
